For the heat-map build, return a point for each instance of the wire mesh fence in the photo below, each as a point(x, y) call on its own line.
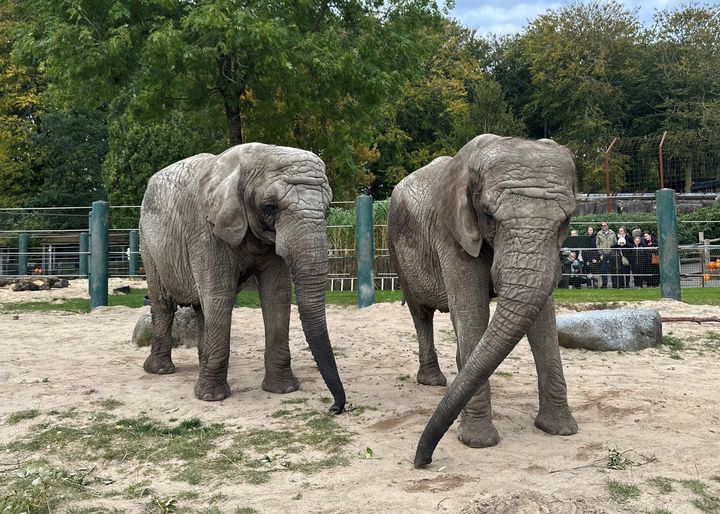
point(53, 248)
point(686, 163)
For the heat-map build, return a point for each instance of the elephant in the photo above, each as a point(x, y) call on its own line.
point(488, 222)
point(209, 223)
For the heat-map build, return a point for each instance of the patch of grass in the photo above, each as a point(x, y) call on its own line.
point(503, 374)
point(708, 503)
point(661, 511)
point(690, 295)
point(245, 510)
point(294, 401)
point(663, 484)
point(695, 486)
point(134, 299)
point(41, 488)
point(138, 490)
point(139, 438)
point(109, 403)
point(621, 492)
point(22, 415)
point(315, 466)
point(359, 410)
point(672, 342)
point(192, 474)
point(92, 509)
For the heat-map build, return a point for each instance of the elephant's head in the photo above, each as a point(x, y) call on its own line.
point(515, 198)
point(280, 195)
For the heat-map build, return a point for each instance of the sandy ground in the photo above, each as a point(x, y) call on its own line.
point(660, 411)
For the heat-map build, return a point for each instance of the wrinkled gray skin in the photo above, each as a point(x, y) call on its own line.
point(489, 221)
point(207, 224)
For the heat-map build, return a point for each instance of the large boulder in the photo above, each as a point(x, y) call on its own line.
point(184, 329)
point(610, 330)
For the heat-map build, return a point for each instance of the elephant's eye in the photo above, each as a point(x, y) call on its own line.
point(269, 210)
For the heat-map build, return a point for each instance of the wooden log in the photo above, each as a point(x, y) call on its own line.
point(693, 319)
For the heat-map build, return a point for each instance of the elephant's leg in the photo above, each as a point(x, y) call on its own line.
point(200, 324)
point(429, 372)
point(469, 301)
point(274, 289)
point(476, 427)
point(212, 383)
point(162, 311)
point(554, 416)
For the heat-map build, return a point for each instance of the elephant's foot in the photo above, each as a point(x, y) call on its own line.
point(159, 364)
point(556, 422)
point(280, 384)
point(212, 390)
point(431, 375)
point(478, 433)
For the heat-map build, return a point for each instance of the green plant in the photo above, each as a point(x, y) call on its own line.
point(621, 492)
point(663, 484)
point(617, 460)
point(17, 417)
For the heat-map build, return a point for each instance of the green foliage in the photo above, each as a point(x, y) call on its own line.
point(39, 488)
point(22, 415)
point(454, 100)
point(621, 492)
point(138, 149)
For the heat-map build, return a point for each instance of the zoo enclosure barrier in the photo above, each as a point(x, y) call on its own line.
point(56, 241)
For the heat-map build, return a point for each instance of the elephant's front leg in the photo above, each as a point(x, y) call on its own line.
point(476, 427)
point(554, 416)
point(274, 289)
point(214, 355)
point(468, 287)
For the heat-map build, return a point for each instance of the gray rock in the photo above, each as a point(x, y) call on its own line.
point(184, 330)
point(610, 330)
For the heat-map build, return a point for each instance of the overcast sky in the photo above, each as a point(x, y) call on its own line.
point(507, 17)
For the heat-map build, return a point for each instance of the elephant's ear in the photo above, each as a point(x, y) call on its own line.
point(456, 203)
point(456, 208)
point(224, 208)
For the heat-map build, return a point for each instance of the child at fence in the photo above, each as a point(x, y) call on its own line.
point(621, 262)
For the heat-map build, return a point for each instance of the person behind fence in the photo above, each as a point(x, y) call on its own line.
point(605, 240)
point(621, 263)
point(572, 271)
point(636, 262)
point(591, 259)
point(653, 267)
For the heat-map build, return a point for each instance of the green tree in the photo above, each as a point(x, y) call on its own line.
point(313, 74)
point(686, 51)
point(583, 63)
point(72, 147)
point(139, 149)
point(19, 102)
point(452, 102)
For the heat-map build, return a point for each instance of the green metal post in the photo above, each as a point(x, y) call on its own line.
point(365, 250)
point(23, 243)
point(90, 220)
point(668, 244)
point(134, 249)
point(84, 248)
point(99, 255)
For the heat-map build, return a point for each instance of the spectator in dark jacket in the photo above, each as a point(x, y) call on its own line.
point(636, 263)
point(621, 263)
point(650, 243)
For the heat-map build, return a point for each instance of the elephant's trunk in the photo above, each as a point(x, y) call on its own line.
point(308, 261)
point(523, 288)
